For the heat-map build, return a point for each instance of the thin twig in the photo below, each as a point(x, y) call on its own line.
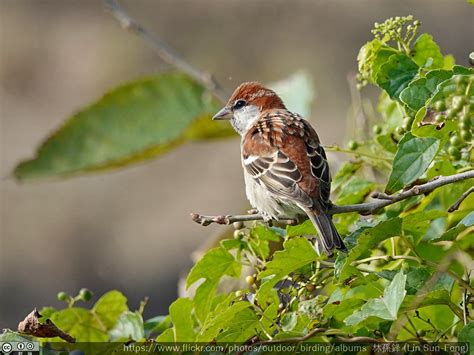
point(386, 258)
point(362, 208)
point(456, 205)
point(312, 333)
point(167, 54)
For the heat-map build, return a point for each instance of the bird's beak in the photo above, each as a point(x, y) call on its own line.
point(224, 114)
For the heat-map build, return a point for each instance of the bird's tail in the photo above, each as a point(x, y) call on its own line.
point(329, 237)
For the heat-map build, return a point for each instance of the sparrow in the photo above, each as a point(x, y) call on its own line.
point(285, 167)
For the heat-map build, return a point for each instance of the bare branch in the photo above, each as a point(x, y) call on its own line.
point(310, 334)
point(367, 208)
point(167, 54)
point(32, 326)
point(456, 205)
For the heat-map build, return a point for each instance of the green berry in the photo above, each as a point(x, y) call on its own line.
point(450, 113)
point(421, 333)
point(85, 294)
point(377, 129)
point(465, 117)
point(458, 103)
point(250, 280)
point(440, 106)
point(466, 135)
point(407, 122)
point(455, 141)
point(439, 118)
point(460, 79)
point(238, 293)
point(310, 287)
point(238, 234)
point(454, 152)
point(399, 131)
point(281, 306)
point(463, 125)
point(63, 296)
point(352, 145)
point(238, 225)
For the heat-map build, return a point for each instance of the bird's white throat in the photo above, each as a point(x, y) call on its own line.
point(244, 118)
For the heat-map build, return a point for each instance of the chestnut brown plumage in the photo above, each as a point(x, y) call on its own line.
point(285, 167)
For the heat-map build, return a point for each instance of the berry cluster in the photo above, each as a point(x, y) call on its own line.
point(458, 106)
point(399, 29)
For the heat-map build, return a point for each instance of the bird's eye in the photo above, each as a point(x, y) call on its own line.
point(240, 104)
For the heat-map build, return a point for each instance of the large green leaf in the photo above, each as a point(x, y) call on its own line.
point(413, 157)
point(219, 319)
point(466, 335)
point(420, 90)
point(128, 327)
point(243, 326)
point(82, 324)
point(297, 253)
point(396, 74)
point(386, 307)
point(181, 316)
point(109, 307)
point(131, 123)
point(426, 52)
point(214, 264)
point(354, 191)
point(372, 56)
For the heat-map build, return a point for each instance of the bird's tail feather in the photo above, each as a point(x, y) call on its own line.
point(329, 237)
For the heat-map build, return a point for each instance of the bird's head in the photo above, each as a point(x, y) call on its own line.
point(246, 104)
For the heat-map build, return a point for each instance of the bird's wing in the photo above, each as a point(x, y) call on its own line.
point(282, 152)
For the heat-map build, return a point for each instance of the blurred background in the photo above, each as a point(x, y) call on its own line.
point(130, 229)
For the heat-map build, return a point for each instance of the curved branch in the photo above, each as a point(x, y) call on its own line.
point(382, 200)
point(167, 54)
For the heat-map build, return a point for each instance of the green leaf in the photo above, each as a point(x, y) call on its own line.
point(396, 74)
point(132, 123)
point(387, 142)
point(426, 52)
point(305, 228)
point(203, 298)
point(297, 92)
point(296, 253)
point(420, 90)
point(466, 335)
point(346, 171)
point(387, 307)
point(109, 307)
point(289, 321)
point(219, 319)
point(181, 316)
point(243, 326)
point(166, 337)
point(156, 324)
point(413, 157)
point(11, 336)
point(82, 324)
point(354, 191)
point(418, 223)
point(214, 264)
point(391, 111)
point(372, 56)
point(452, 233)
point(367, 240)
point(128, 327)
